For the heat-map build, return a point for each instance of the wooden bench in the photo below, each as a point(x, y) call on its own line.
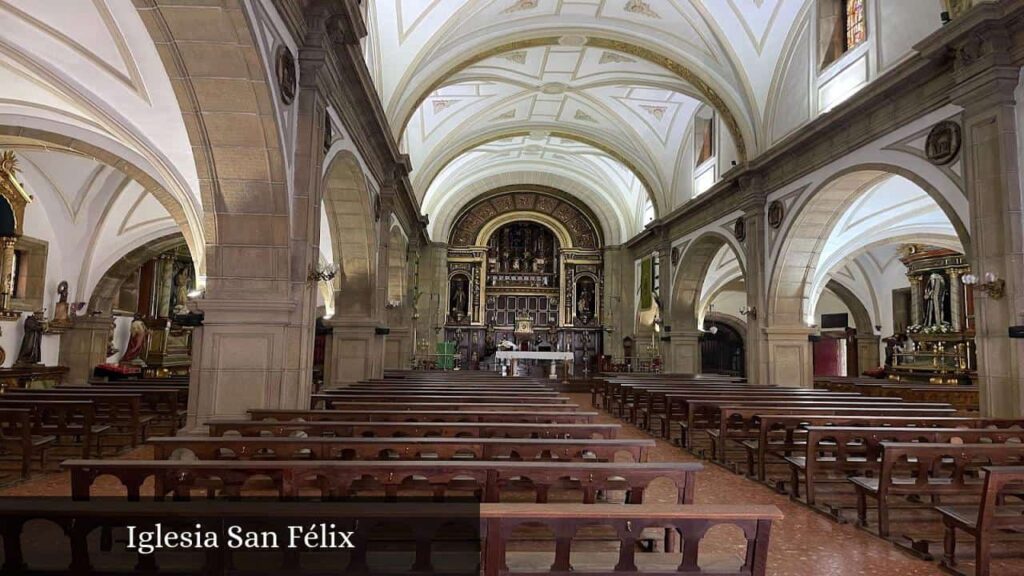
point(939, 469)
point(858, 449)
point(16, 434)
point(122, 412)
point(334, 448)
point(329, 401)
point(423, 416)
point(782, 434)
point(73, 421)
point(334, 479)
point(734, 420)
point(497, 524)
point(168, 405)
point(994, 516)
point(412, 429)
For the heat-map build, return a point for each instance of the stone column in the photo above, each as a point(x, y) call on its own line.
point(684, 352)
point(986, 83)
point(790, 356)
point(755, 247)
point(84, 345)
point(868, 352)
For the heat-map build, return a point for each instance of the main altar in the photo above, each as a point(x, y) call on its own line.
point(525, 256)
point(937, 346)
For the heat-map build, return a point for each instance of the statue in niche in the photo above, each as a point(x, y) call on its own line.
point(136, 342)
point(459, 298)
point(31, 343)
point(934, 296)
point(181, 288)
point(504, 260)
point(516, 264)
point(585, 303)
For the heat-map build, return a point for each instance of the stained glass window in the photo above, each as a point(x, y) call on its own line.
point(856, 30)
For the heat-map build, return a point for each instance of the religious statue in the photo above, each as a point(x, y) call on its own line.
point(459, 299)
point(61, 310)
point(136, 342)
point(111, 347)
point(516, 264)
point(31, 342)
point(181, 289)
point(934, 296)
point(585, 305)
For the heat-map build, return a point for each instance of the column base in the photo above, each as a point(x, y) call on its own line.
point(684, 352)
point(790, 357)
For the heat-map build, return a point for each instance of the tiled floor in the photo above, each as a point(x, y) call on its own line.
point(805, 543)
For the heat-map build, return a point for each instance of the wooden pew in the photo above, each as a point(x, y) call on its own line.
point(677, 405)
point(952, 461)
point(411, 429)
point(857, 449)
point(329, 401)
point(497, 523)
point(441, 398)
point(16, 434)
point(122, 412)
point(542, 417)
point(70, 420)
point(168, 404)
point(336, 448)
point(334, 479)
point(780, 435)
point(985, 522)
point(738, 420)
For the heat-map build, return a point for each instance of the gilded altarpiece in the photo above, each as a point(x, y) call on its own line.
point(525, 257)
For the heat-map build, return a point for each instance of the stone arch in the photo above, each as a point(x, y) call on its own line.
point(225, 96)
point(102, 298)
point(351, 222)
point(690, 274)
point(861, 317)
point(729, 320)
point(791, 283)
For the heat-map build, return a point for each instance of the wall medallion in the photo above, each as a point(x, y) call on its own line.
point(943, 143)
point(739, 229)
point(376, 208)
point(286, 79)
point(675, 255)
point(776, 212)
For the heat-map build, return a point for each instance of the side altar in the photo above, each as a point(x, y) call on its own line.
point(937, 346)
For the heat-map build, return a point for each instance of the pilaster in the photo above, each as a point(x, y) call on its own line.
point(790, 356)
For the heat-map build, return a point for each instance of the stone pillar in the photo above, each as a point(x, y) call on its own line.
point(684, 352)
point(868, 352)
point(84, 345)
point(992, 170)
point(754, 245)
point(790, 356)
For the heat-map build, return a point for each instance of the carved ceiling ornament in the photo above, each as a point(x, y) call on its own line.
point(943, 143)
point(287, 82)
point(578, 224)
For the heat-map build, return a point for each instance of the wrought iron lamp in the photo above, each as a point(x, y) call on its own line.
point(993, 285)
point(322, 273)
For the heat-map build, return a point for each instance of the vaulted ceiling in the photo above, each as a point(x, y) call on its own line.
point(589, 90)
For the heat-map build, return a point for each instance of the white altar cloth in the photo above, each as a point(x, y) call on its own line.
point(515, 355)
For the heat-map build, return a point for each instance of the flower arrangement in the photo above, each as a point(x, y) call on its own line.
point(941, 328)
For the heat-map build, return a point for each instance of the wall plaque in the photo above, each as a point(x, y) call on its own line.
point(285, 69)
point(943, 143)
point(776, 212)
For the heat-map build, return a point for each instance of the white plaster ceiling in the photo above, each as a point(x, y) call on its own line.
point(617, 75)
point(90, 214)
point(88, 72)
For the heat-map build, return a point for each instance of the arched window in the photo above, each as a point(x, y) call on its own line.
point(842, 26)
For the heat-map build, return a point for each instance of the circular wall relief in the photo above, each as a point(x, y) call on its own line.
point(286, 78)
point(943, 143)
point(675, 255)
point(554, 88)
point(739, 229)
point(776, 212)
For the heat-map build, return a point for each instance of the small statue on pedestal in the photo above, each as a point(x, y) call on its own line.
point(31, 343)
point(61, 311)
